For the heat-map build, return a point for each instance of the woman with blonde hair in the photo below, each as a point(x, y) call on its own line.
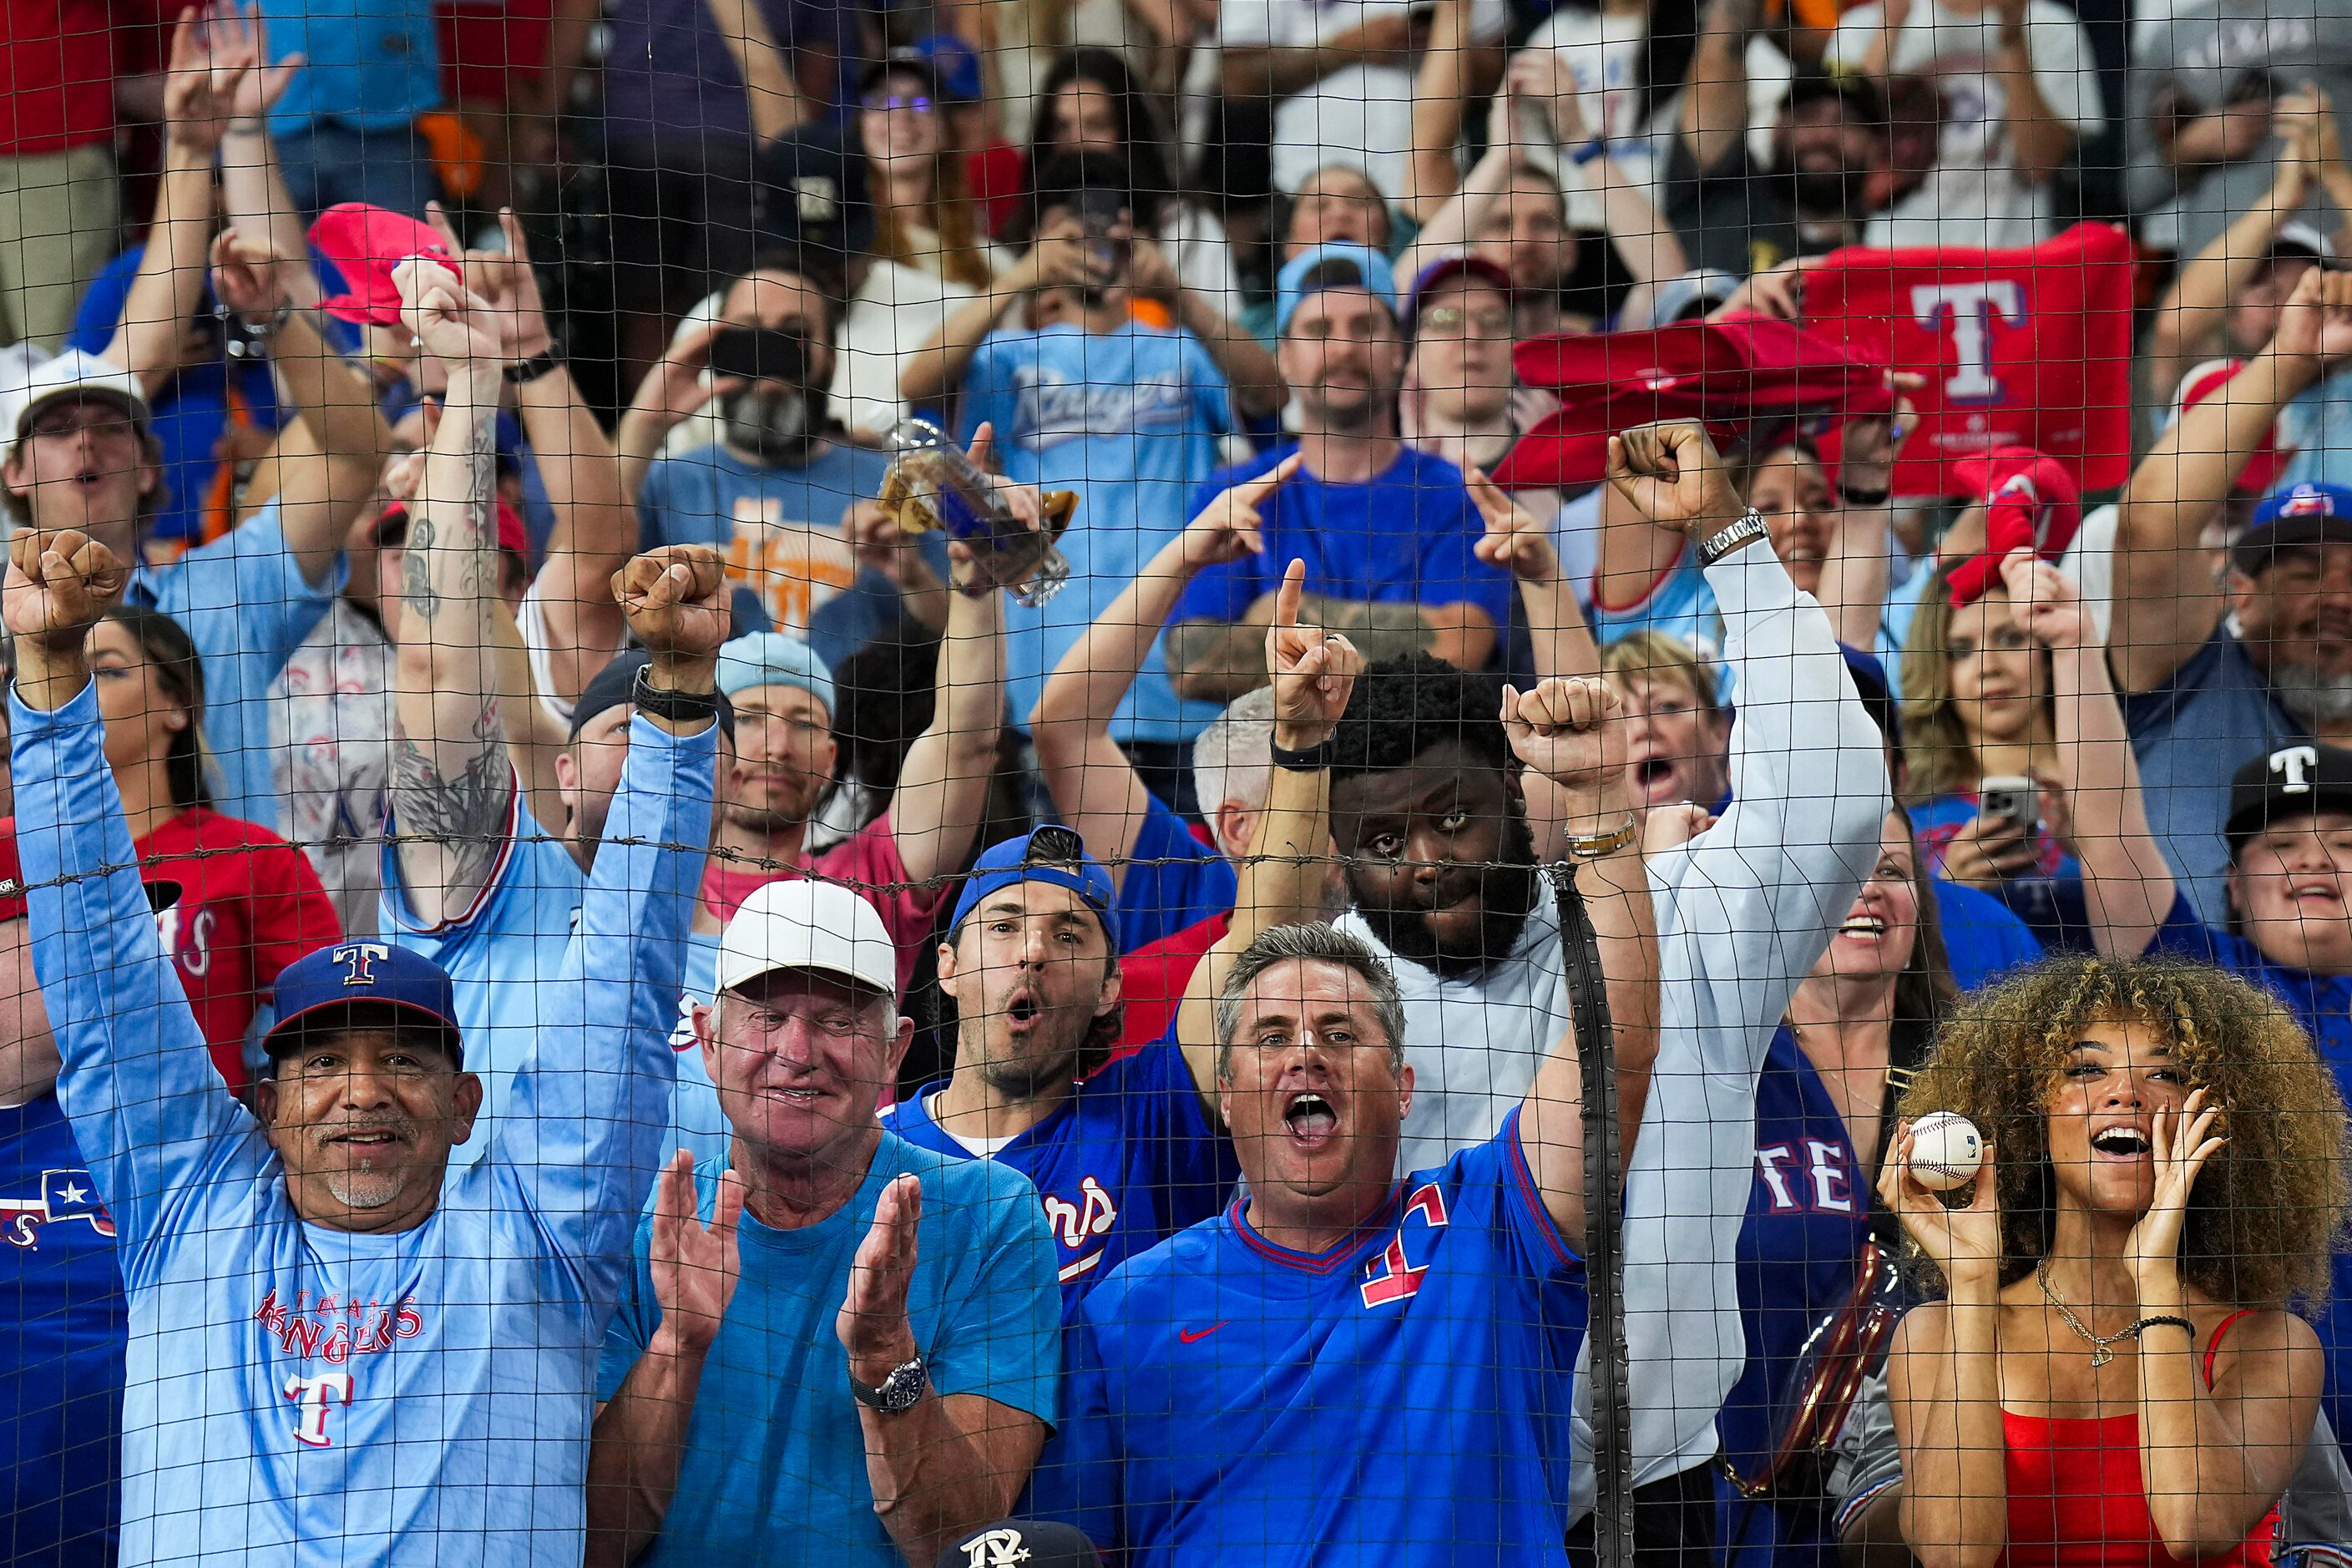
point(2114, 1377)
point(1976, 706)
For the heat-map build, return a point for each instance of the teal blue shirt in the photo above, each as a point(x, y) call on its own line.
point(775, 1471)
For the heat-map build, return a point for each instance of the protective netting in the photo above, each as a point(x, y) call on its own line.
point(1322, 782)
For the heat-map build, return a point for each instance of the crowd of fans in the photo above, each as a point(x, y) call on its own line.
point(578, 986)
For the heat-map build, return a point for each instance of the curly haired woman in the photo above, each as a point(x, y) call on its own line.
point(2115, 1377)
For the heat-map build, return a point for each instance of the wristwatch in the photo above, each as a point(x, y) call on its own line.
point(1750, 528)
point(1312, 760)
point(547, 361)
point(898, 1393)
point(677, 706)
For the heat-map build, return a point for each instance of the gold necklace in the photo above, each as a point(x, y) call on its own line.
point(2102, 1345)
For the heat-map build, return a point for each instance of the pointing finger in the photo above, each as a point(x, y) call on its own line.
point(1258, 489)
point(1293, 589)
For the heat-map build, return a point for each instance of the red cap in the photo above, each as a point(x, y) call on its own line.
point(1740, 377)
point(365, 242)
point(514, 534)
point(12, 873)
point(2268, 465)
point(2031, 503)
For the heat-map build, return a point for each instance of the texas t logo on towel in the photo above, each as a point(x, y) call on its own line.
point(2026, 348)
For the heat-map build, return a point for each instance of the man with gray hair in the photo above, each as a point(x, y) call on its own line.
point(1357, 1319)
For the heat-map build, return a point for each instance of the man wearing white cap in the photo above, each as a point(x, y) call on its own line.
point(733, 1429)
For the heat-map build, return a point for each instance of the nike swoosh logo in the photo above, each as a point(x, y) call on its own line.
point(1189, 1336)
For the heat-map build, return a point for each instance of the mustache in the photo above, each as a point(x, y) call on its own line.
point(399, 1126)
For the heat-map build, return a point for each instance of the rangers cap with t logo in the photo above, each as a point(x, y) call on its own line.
point(320, 988)
point(2293, 781)
point(1022, 1544)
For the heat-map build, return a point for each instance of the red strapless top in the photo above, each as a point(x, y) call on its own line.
point(2076, 1499)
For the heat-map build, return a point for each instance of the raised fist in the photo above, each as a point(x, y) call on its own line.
point(1671, 474)
point(1568, 728)
point(60, 584)
point(676, 601)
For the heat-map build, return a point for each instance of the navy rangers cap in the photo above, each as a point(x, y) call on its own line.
point(1049, 854)
point(1024, 1542)
point(335, 979)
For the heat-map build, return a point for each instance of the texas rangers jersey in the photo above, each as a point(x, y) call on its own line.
point(297, 1394)
point(1127, 1161)
point(60, 1347)
point(1406, 1397)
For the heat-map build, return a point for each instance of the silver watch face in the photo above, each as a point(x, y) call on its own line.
point(901, 1389)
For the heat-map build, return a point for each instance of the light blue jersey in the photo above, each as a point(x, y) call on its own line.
point(300, 1395)
point(1130, 419)
point(696, 1122)
point(243, 602)
point(504, 955)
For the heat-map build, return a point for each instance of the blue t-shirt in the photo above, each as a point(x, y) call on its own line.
point(1124, 1164)
point(421, 1396)
point(1174, 882)
point(774, 1469)
point(2321, 1004)
point(1409, 537)
point(371, 64)
point(779, 529)
point(1130, 419)
point(1680, 602)
point(1807, 1215)
point(1984, 941)
point(243, 602)
point(1404, 1398)
point(503, 955)
point(2190, 735)
point(191, 414)
point(61, 1353)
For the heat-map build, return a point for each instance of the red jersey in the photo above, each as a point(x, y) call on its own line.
point(249, 905)
point(1152, 979)
point(867, 863)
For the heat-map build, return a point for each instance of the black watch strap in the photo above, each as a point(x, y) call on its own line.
point(1313, 759)
point(543, 362)
point(677, 706)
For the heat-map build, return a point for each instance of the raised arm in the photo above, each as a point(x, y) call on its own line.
point(1453, 220)
point(324, 479)
point(1942, 1373)
point(2220, 1436)
point(589, 1108)
point(1441, 89)
point(1518, 541)
point(2188, 321)
point(148, 1109)
point(1254, 379)
point(935, 370)
point(943, 783)
point(1715, 91)
point(1274, 73)
point(253, 197)
point(1095, 787)
point(672, 391)
point(639, 1439)
point(453, 781)
point(2165, 603)
point(1568, 733)
point(199, 86)
point(2039, 137)
point(775, 98)
point(2127, 882)
point(1313, 672)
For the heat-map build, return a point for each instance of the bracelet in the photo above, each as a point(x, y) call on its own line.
point(262, 331)
point(2183, 1324)
point(1595, 845)
point(1750, 528)
point(1589, 151)
point(545, 363)
point(1315, 759)
point(667, 702)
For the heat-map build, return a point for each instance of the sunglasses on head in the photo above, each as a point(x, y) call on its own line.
point(917, 102)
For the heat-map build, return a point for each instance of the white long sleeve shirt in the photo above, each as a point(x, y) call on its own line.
point(1744, 909)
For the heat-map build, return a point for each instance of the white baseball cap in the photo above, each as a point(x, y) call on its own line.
point(73, 374)
point(804, 924)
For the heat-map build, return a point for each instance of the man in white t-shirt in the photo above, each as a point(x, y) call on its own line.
point(2019, 88)
point(1342, 74)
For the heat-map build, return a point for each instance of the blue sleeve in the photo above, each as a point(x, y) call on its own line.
point(1222, 592)
point(1451, 571)
point(589, 1112)
point(1212, 394)
point(1501, 1165)
point(1983, 940)
point(148, 1111)
point(2183, 935)
point(634, 1321)
point(1194, 1167)
point(1077, 1478)
point(245, 603)
point(2153, 709)
point(654, 506)
point(101, 309)
point(1171, 879)
point(1002, 1341)
point(988, 395)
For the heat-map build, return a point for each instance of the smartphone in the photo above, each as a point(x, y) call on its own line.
point(2017, 799)
point(1100, 211)
point(761, 353)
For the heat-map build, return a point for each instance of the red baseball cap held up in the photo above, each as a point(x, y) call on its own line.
point(365, 242)
point(2031, 503)
point(1746, 379)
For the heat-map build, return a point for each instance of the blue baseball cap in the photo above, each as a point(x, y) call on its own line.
point(774, 658)
point(1049, 854)
point(1333, 266)
point(2300, 514)
point(957, 66)
point(360, 972)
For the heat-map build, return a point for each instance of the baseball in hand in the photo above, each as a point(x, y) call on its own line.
point(1947, 1150)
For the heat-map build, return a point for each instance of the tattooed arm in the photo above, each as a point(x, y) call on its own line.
point(452, 782)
